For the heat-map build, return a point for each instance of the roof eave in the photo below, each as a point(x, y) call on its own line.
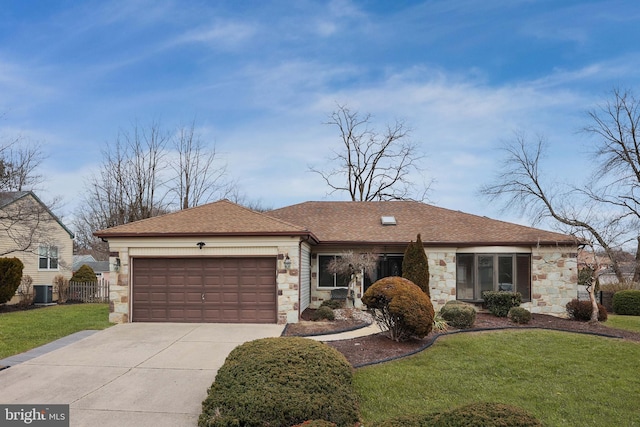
point(107, 235)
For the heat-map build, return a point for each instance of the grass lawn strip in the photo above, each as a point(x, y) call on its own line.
point(629, 323)
point(564, 379)
point(24, 330)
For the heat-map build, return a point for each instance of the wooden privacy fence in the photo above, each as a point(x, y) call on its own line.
point(89, 291)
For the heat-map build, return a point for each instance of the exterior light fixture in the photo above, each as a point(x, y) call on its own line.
point(287, 262)
point(200, 244)
point(116, 265)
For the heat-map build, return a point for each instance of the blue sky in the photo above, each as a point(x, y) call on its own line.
point(261, 77)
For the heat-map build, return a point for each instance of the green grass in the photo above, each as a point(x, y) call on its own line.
point(23, 330)
point(564, 379)
point(629, 323)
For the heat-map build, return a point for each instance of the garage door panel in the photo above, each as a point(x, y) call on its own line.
point(235, 290)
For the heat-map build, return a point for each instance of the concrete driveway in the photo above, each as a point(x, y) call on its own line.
point(135, 374)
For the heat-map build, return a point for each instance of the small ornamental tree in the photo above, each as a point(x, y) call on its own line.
point(84, 274)
point(415, 265)
point(400, 307)
point(10, 277)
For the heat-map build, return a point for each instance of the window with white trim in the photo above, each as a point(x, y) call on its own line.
point(48, 257)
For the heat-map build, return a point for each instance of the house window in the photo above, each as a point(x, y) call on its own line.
point(48, 257)
point(327, 279)
point(476, 273)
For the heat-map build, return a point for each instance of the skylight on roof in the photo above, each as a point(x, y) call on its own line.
point(388, 220)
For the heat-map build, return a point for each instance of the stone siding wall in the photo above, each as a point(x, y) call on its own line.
point(288, 282)
point(442, 280)
point(554, 275)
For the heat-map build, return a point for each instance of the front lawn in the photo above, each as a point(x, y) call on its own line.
point(23, 330)
point(629, 323)
point(564, 379)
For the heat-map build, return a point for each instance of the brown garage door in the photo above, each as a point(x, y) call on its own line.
point(227, 290)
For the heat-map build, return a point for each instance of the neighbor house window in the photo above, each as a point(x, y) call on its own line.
point(327, 279)
point(48, 259)
point(476, 273)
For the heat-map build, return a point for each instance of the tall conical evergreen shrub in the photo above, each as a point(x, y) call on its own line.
point(415, 265)
point(84, 274)
point(10, 276)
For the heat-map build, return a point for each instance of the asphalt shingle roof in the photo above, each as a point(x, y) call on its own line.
point(343, 222)
point(361, 222)
point(218, 218)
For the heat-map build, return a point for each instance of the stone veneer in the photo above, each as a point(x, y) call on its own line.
point(554, 277)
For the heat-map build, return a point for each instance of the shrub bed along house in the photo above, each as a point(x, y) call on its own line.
point(500, 302)
point(581, 310)
point(458, 314)
point(280, 382)
point(627, 302)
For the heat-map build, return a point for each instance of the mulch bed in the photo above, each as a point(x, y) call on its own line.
point(378, 348)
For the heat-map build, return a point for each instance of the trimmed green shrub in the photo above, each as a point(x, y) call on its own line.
point(10, 277)
point(400, 307)
point(475, 414)
point(316, 423)
point(627, 302)
point(486, 415)
point(519, 315)
point(415, 265)
point(323, 313)
point(281, 382)
point(581, 310)
point(500, 302)
point(84, 274)
point(332, 303)
point(458, 314)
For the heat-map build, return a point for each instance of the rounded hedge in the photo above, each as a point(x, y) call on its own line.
point(458, 314)
point(10, 277)
point(323, 313)
point(400, 307)
point(281, 382)
point(475, 414)
point(500, 302)
point(84, 274)
point(519, 315)
point(627, 302)
point(581, 310)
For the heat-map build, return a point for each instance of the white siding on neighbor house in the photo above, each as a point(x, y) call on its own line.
point(305, 277)
point(50, 232)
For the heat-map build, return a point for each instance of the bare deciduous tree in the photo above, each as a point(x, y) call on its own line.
point(372, 166)
point(19, 162)
point(198, 177)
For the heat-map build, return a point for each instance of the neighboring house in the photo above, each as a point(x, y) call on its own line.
point(225, 263)
point(31, 232)
point(101, 268)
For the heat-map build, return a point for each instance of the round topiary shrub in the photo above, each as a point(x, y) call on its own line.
point(323, 313)
point(627, 302)
point(458, 314)
point(84, 274)
point(281, 382)
point(519, 315)
point(581, 310)
point(486, 415)
point(400, 307)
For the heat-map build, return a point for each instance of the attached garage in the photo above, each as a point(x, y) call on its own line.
point(220, 290)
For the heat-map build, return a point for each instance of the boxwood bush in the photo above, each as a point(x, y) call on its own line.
point(323, 313)
point(458, 314)
point(400, 307)
point(519, 315)
point(581, 310)
point(475, 414)
point(627, 302)
point(281, 382)
point(500, 302)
